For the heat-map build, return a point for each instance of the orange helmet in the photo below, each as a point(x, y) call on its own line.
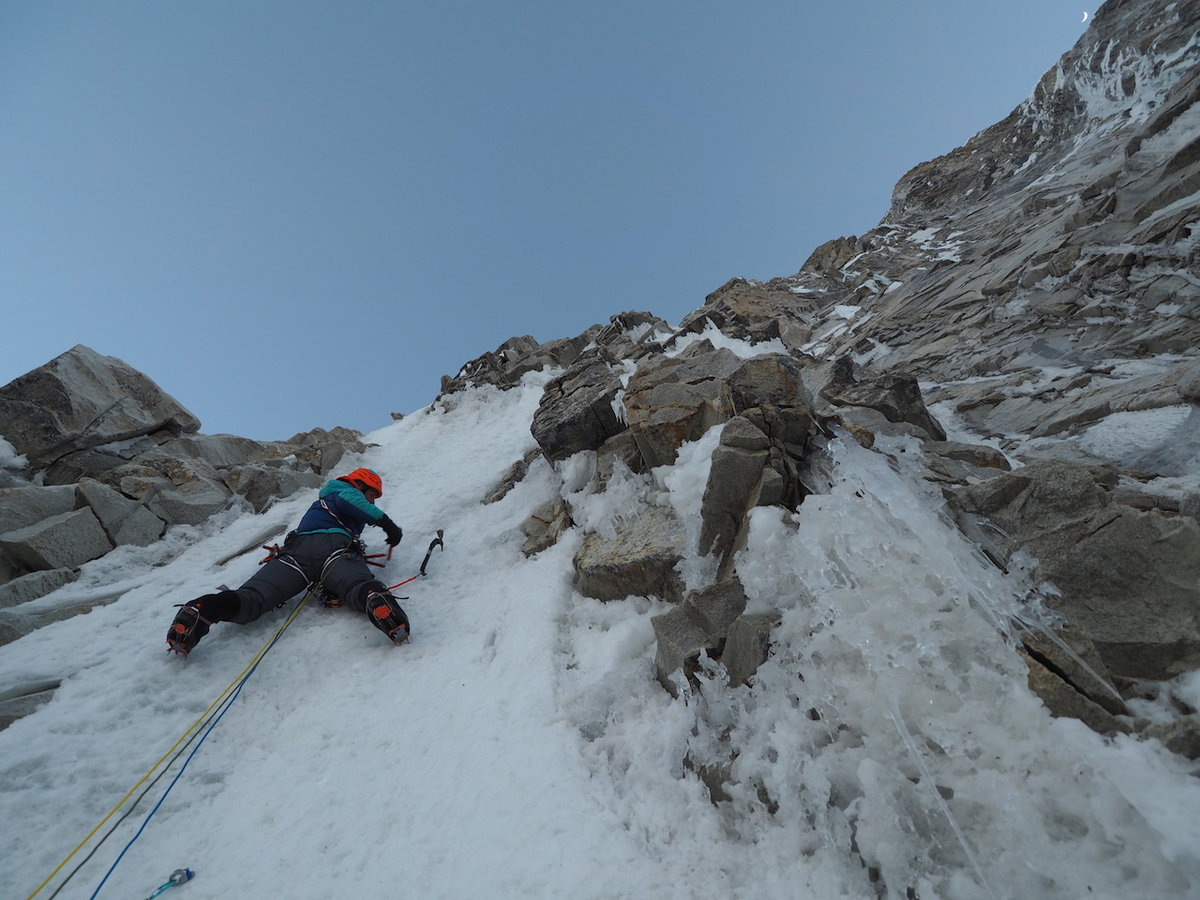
point(364, 478)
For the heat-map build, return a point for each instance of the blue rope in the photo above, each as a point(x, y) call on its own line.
point(228, 703)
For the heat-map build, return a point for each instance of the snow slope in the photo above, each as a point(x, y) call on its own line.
point(520, 746)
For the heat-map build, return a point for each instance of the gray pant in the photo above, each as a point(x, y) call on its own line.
point(332, 560)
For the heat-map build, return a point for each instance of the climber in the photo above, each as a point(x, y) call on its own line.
point(325, 550)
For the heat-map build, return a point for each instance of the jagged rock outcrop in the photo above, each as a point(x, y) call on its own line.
point(113, 461)
point(81, 399)
point(896, 395)
point(505, 365)
point(755, 312)
point(511, 478)
point(578, 410)
point(700, 622)
point(1062, 236)
point(672, 399)
point(627, 335)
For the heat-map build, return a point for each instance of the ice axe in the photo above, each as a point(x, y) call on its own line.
point(436, 542)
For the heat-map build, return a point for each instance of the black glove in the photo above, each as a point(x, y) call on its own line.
point(394, 534)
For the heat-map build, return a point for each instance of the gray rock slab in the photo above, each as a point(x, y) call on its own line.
point(68, 539)
point(83, 399)
point(21, 506)
point(125, 521)
point(34, 585)
point(638, 561)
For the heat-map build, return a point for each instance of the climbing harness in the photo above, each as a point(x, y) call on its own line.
point(179, 876)
point(329, 600)
point(315, 589)
point(201, 728)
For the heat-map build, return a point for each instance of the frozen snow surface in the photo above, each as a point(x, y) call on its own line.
point(521, 747)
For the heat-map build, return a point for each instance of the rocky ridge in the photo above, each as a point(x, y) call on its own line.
point(1023, 288)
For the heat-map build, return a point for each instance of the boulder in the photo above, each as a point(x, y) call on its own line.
point(320, 450)
point(638, 561)
point(125, 521)
point(700, 622)
point(513, 476)
point(65, 540)
point(790, 429)
point(178, 491)
point(1128, 580)
point(543, 528)
point(977, 455)
point(679, 635)
point(953, 462)
point(1071, 657)
point(1064, 701)
point(25, 505)
point(755, 311)
point(218, 450)
point(897, 396)
point(34, 585)
point(671, 400)
point(576, 411)
point(747, 645)
point(733, 483)
point(81, 399)
point(261, 485)
point(771, 379)
point(94, 462)
point(620, 448)
point(718, 605)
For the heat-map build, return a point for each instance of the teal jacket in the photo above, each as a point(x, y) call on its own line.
point(340, 507)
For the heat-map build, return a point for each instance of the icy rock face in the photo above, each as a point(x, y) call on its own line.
point(1032, 295)
point(1065, 235)
point(1132, 578)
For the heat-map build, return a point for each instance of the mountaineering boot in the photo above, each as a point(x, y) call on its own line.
point(195, 617)
point(387, 616)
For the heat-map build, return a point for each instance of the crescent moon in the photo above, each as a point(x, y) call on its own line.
point(1084, 19)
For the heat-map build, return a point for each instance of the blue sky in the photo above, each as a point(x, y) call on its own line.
point(302, 214)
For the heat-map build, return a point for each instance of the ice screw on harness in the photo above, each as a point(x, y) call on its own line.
point(179, 876)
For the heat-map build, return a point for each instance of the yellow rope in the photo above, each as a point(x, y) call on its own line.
point(193, 727)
